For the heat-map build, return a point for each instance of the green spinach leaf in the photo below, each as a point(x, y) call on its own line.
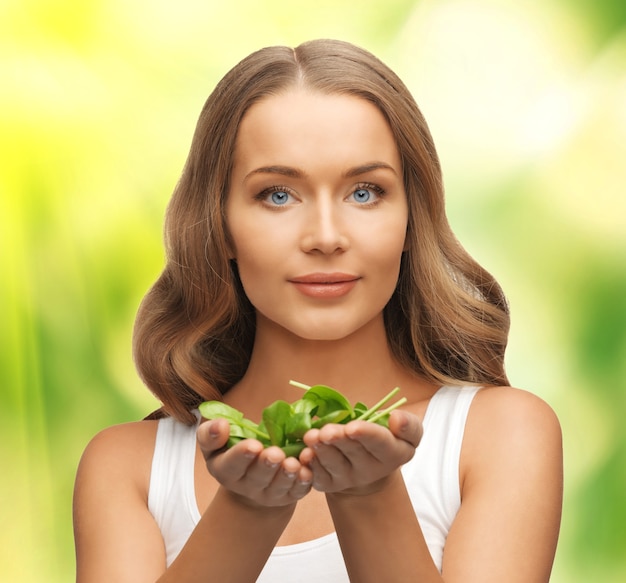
point(284, 424)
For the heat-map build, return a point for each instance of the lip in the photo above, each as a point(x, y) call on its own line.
point(324, 278)
point(325, 285)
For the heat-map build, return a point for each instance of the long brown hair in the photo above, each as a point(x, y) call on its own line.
point(447, 319)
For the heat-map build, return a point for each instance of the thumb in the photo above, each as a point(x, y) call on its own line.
point(406, 426)
point(213, 435)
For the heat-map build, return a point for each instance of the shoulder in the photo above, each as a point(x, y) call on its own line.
point(510, 427)
point(120, 454)
point(116, 536)
point(115, 438)
point(509, 410)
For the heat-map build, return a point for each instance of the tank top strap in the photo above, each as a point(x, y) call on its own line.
point(432, 476)
point(171, 495)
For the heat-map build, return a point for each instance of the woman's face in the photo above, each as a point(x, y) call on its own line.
point(317, 212)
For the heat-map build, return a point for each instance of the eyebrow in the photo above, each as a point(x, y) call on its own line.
point(370, 167)
point(282, 170)
point(297, 173)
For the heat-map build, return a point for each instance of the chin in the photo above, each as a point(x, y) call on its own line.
point(333, 331)
point(323, 327)
point(323, 336)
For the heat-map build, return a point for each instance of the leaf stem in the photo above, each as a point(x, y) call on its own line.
point(299, 385)
point(252, 427)
point(261, 434)
point(388, 410)
point(366, 414)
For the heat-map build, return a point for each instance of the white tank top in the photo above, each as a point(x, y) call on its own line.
point(431, 477)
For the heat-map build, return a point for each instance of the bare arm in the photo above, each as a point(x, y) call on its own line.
point(237, 533)
point(116, 537)
point(231, 543)
point(358, 466)
point(118, 540)
point(507, 527)
point(512, 463)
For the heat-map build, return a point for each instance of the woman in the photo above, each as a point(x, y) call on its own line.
point(307, 240)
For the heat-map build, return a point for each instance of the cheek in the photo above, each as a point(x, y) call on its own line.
point(257, 261)
point(246, 241)
point(388, 243)
point(388, 252)
point(254, 236)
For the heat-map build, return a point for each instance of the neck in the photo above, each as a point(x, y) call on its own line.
point(361, 366)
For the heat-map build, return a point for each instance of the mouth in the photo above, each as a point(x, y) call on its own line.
point(324, 278)
point(325, 285)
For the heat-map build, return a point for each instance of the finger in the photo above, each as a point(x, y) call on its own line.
point(290, 486)
point(285, 478)
point(265, 468)
point(334, 448)
point(289, 481)
point(321, 479)
point(303, 483)
point(311, 437)
point(231, 465)
point(212, 435)
point(379, 441)
point(306, 456)
point(332, 459)
point(349, 438)
point(369, 440)
point(406, 427)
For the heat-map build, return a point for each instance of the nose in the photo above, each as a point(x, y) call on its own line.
point(324, 229)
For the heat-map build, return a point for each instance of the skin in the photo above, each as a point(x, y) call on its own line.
point(321, 150)
point(321, 224)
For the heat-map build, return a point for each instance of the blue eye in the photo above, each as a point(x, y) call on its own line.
point(366, 194)
point(362, 195)
point(276, 196)
point(279, 197)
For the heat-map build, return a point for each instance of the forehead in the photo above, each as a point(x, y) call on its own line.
point(304, 127)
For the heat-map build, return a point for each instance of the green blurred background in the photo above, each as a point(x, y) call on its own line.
point(98, 101)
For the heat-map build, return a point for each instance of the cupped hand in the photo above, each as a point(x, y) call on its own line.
point(356, 458)
point(261, 476)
